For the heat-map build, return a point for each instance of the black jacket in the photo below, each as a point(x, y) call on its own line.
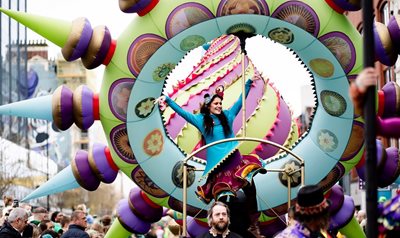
point(7, 231)
point(75, 231)
point(208, 235)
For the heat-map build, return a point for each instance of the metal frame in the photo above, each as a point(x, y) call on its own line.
point(289, 173)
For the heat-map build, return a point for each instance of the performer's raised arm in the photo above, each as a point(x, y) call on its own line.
point(389, 127)
point(189, 117)
point(234, 110)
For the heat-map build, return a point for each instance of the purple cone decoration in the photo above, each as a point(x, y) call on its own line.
point(390, 170)
point(98, 47)
point(83, 107)
point(394, 31)
point(129, 220)
point(196, 227)
point(140, 7)
point(344, 215)
point(82, 171)
point(391, 90)
point(384, 50)
point(62, 108)
point(142, 207)
point(78, 39)
point(336, 197)
point(99, 164)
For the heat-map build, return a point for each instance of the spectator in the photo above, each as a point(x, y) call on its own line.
point(65, 221)
point(311, 213)
point(5, 212)
point(8, 201)
point(29, 230)
point(97, 227)
point(362, 219)
point(94, 234)
point(15, 223)
point(82, 207)
point(218, 221)
point(49, 234)
point(57, 216)
point(77, 227)
point(106, 222)
point(56, 219)
point(39, 214)
point(45, 224)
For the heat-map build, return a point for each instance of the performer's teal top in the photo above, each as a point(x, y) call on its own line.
point(215, 154)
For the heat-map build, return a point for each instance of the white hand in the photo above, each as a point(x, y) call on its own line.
point(160, 100)
point(367, 77)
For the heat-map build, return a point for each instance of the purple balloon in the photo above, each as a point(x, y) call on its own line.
point(344, 215)
point(196, 227)
point(129, 220)
point(99, 164)
point(143, 209)
point(83, 173)
point(336, 198)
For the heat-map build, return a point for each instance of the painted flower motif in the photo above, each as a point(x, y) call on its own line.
point(153, 143)
point(333, 103)
point(289, 168)
point(191, 42)
point(145, 107)
point(327, 141)
point(161, 72)
point(281, 35)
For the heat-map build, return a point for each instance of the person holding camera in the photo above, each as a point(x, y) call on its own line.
point(15, 224)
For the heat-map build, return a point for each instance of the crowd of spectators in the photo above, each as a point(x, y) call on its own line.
point(41, 223)
point(38, 222)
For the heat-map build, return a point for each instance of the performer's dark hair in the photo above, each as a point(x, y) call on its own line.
point(209, 122)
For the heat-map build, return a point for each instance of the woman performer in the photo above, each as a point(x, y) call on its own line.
point(227, 171)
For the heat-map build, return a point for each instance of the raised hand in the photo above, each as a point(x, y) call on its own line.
point(161, 102)
point(368, 77)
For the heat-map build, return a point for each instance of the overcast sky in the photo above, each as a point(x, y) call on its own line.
point(272, 59)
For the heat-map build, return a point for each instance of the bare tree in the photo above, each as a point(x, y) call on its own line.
point(10, 168)
point(103, 200)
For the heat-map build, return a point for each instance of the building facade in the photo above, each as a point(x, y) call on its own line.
point(37, 148)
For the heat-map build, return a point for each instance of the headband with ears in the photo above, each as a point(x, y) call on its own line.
point(218, 91)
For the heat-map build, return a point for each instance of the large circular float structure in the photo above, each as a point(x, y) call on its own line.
point(149, 144)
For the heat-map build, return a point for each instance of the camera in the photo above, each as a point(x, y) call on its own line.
point(15, 203)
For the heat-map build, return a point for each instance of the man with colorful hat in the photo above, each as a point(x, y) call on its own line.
point(311, 213)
